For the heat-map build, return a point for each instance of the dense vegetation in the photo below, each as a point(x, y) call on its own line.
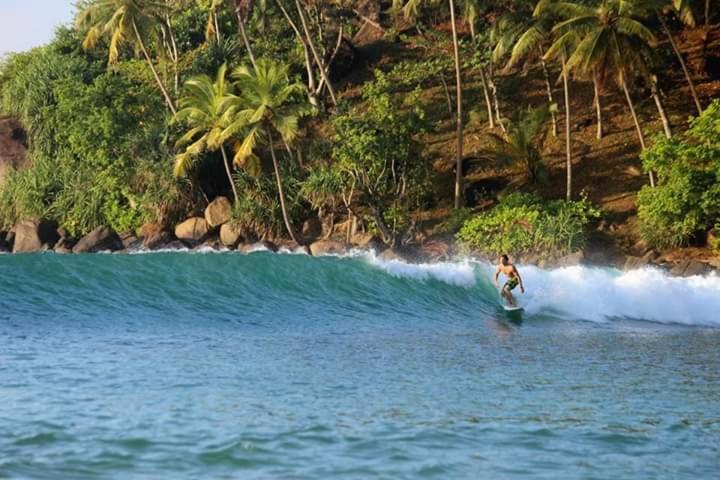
point(144, 111)
point(523, 224)
point(686, 202)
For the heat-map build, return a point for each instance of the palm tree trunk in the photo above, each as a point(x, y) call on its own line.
point(707, 13)
point(660, 108)
point(568, 145)
point(458, 84)
point(447, 93)
point(312, 96)
point(281, 193)
point(598, 107)
point(491, 119)
point(217, 26)
point(641, 137)
point(229, 175)
point(548, 88)
point(682, 61)
point(323, 74)
point(164, 91)
point(173, 51)
point(246, 41)
point(493, 90)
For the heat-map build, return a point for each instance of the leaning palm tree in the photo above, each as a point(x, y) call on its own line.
point(205, 109)
point(683, 11)
point(411, 9)
point(613, 43)
point(125, 22)
point(267, 108)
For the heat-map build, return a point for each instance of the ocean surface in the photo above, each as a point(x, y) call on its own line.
point(266, 366)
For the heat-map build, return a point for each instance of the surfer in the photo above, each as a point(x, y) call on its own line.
point(513, 280)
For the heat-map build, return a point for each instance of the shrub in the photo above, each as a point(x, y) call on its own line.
point(525, 224)
point(96, 142)
point(378, 156)
point(258, 207)
point(686, 200)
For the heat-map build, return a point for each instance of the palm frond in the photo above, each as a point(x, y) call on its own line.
point(247, 147)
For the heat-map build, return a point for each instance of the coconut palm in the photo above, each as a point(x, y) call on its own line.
point(520, 144)
point(559, 50)
point(682, 9)
point(411, 9)
point(125, 22)
point(205, 109)
point(267, 108)
point(612, 44)
point(529, 47)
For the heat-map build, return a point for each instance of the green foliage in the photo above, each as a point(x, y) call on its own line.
point(258, 209)
point(378, 155)
point(520, 144)
point(28, 90)
point(96, 143)
point(686, 200)
point(525, 224)
point(215, 54)
point(714, 240)
point(323, 186)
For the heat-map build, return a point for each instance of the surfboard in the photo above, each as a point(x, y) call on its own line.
point(508, 308)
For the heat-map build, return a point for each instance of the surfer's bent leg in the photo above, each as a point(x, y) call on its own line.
point(508, 296)
point(509, 285)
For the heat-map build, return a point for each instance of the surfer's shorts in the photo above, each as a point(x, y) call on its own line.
point(511, 284)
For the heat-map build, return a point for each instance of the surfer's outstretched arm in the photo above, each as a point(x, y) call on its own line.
point(495, 281)
point(522, 287)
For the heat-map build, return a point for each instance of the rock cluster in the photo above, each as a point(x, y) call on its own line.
point(215, 229)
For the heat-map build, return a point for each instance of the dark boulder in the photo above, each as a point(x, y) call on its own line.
point(4, 245)
point(434, 251)
point(154, 236)
point(101, 239)
point(31, 235)
point(312, 228)
point(690, 268)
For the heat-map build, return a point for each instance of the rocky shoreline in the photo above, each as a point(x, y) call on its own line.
point(215, 231)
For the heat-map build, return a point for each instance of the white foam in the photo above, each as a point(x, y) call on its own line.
point(461, 274)
point(588, 293)
point(600, 294)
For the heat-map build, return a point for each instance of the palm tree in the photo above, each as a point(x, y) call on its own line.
point(684, 12)
point(411, 9)
point(612, 43)
point(525, 131)
point(267, 108)
point(560, 48)
point(529, 46)
point(124, 22)
point(206, 110)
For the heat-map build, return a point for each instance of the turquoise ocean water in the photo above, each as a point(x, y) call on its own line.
point(263, 366)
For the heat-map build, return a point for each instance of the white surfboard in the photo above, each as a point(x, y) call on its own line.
point(508, 308)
